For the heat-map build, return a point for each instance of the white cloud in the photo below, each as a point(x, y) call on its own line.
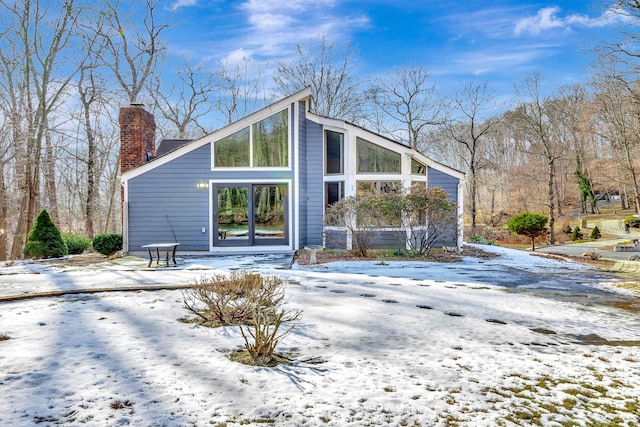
point(237, 56)
point(548, 18)
point(545, 19)
point(276, 25)
point(183, 3)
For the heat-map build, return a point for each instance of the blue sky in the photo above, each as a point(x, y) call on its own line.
point(500, 41)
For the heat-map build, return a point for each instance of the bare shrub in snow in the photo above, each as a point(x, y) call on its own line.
point(265, 333)
point(232, 299)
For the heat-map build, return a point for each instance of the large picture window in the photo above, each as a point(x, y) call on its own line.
point(263, 144)
point(373, 158)
point(334, 153)
point(232, 151)
point(271, 141)
point(370, 188)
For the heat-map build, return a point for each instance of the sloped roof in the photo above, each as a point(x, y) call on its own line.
point(168, 145)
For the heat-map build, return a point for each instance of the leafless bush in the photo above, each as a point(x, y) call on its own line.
point(358, 218)
point(232, 299)
point(249, 300)
point(264, 334)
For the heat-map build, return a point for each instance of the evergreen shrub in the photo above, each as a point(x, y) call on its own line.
point(76, 243)
point(44, 240)
point(576, 234)
point(107, 244)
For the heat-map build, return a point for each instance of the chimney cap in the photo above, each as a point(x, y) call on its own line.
point(137, 104)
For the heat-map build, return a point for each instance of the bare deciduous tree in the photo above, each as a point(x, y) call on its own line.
point(409, 98)
point(132, 57)
point(618, 109)
point(328, 69)
point(473, 118)
point(36, 68)
point(535, 124)
point(188, 99)
point(240, 91)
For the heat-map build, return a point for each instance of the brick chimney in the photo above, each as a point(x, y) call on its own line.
point(137, 137)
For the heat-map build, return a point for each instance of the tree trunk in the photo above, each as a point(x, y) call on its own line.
point(557, 194)
point(3, 216)
point(473, 191)
point(550, 197)
point(50, 181)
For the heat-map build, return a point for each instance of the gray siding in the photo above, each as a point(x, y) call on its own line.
point(449, 184)
point(165, 204)
point(335, 239)
point(314, 189)
point(302, 163)
point(389, 240)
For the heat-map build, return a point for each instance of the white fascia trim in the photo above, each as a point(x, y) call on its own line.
point(460, 214)
point(295, 156)
point(125, 217)
point(219, 134)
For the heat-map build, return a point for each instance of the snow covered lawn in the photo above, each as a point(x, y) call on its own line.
point(415, 344)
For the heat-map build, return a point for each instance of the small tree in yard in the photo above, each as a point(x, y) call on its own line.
point(424, 214)
point(595, 233)
point(576, 234)
point(359, 218)
point(44, 239)
point(529, 224)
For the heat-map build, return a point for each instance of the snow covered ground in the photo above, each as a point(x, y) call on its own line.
point(416, 344)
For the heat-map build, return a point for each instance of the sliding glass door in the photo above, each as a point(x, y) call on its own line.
point(250, 214)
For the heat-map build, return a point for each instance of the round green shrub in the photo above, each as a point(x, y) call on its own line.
point(633, 221)
point(77, 243)
point(44, 240)
point(107, 244)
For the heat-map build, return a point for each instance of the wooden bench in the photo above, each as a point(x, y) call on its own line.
point(169, 248)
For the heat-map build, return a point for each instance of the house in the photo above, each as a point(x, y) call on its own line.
point(262, 183)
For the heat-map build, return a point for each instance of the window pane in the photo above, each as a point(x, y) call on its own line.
point(373, 159)
point(389, 186)
point(334, 150)
point(418, 168)
point(232, 151)
point(233, 213)
point(333, 192)
point(271, 141)
point(269, 211)
point(366, 188)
